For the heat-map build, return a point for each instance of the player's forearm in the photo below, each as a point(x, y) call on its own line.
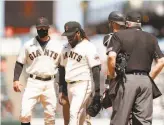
point(111, 66)
point(17, 71)
point(157, 68)
point(96, 77)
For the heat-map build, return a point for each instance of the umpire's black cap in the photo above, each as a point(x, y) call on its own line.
point(71, 28)
point(133, 17)
point(117, 17)
point(42, 21)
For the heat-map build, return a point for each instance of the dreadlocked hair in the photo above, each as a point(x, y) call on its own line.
point(83, 34)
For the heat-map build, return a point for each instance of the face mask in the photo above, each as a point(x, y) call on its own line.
point(42, 33)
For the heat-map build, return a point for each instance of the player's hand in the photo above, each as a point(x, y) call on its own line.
point(17, 86)
point(9, 106)
point(62, 100)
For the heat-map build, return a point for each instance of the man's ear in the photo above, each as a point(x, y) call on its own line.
point(78, 33)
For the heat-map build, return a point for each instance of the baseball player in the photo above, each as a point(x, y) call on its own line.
point(63, 100)
point(40, 56)
point(80, 66)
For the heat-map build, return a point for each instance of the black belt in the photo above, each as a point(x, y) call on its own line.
point(43, 79)
point(137, 73)
point(72, 82)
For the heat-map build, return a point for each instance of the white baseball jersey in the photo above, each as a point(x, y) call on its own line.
point(38, 61)
point(79, 60)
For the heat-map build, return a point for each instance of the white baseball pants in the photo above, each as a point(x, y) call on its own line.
point(43, 91)
point(79, 94)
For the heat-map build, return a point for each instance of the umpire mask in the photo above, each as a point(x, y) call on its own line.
point(42, 33)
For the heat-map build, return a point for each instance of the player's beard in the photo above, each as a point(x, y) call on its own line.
point(42, 33)
point(73, 41)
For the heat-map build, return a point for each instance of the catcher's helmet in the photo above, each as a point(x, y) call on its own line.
point(117, 17)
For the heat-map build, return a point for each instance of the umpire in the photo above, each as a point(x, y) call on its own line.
point(116, 22)
point(137, 94)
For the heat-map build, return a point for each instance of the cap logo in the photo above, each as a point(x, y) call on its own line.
point(66, 28)
point(41, 20)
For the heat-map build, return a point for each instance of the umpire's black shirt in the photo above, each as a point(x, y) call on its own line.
point(141, 46)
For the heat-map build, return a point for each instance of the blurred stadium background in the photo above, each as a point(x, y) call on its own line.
point(17, 20)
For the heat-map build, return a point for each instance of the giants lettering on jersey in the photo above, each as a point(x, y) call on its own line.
point(73, 55)
point(46, 53)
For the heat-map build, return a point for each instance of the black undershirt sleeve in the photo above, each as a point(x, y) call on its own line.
point(62, 82)
point(96, 77)
point(17, 71)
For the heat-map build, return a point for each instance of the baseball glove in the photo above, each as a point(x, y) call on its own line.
point(95, 106)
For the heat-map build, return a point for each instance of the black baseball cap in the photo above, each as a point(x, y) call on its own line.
point(42, 21)
point(71, 28)
point(117, 17)
point(134, 17)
